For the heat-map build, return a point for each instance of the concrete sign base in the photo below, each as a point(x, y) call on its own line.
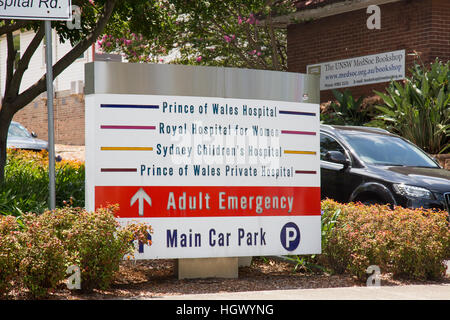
point(207, 268)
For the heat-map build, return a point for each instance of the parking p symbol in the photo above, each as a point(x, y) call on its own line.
point(290, 236)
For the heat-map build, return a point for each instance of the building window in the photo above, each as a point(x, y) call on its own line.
point(16, 42)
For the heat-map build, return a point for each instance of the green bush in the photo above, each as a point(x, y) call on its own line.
point(347, 111)
point(312, 263)
point(407, 243)
point(419, 108)
point(25, 188)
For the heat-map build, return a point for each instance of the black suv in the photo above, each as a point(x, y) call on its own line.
point(371, 165)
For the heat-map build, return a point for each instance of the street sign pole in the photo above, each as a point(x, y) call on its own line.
point(51, 135)
point(54, 11)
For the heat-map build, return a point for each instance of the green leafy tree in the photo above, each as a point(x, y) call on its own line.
point(240, 33)
point(95, 17)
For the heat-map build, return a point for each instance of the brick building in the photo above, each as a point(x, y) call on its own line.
point(68, 108)
point(331, 30)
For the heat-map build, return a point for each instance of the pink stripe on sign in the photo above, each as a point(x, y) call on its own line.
point(127, 127)
point(309, 133)
point(118, 170)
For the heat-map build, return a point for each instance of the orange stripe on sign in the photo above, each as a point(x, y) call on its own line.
point(298, 152)
point(126, 148)
point(209, 201)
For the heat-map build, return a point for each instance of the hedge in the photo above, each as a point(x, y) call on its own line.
point(36, 250)
point(409, 243)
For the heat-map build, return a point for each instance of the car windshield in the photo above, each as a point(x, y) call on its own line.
point(386, 150)
point(17, 130)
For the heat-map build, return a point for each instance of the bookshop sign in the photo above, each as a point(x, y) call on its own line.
point(382, 67)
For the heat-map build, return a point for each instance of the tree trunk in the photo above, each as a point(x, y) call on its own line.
point(5, 121)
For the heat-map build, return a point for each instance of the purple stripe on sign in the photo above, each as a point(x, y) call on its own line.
point(308, 133)
point(298, 113)
point(118, 170)
point(127, 127)
point(305, 172)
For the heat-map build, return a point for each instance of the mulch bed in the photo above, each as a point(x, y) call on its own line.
point(156, 278)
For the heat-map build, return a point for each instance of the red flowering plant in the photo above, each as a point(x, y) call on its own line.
point(241, 33)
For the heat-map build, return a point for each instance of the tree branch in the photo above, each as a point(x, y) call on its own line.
point(238, 50)
point(8, 27)
point(24, 62)
point(273, 41)
point(40, 86)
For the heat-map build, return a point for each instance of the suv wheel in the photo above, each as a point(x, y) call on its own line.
point(369, 202)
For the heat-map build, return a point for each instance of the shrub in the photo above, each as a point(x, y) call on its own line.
point(25, 188)
point(422, 244)
point(419, 108)
point(334, 258)
point(330, 213)
point(43, 256)
point(347, 111)
point(9, 252)
point(38, 248)
point(408, 243)
point(96, 243)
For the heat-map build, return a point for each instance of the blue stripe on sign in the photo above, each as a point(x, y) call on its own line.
point(298, 113)
point(130, 106)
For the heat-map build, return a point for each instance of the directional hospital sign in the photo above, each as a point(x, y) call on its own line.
point(36, 9)
point(214, 176)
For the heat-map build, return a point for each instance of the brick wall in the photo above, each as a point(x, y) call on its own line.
point(421, 25)
point(68, 113)
point(440, 33)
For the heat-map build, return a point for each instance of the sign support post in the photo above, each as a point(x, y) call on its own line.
point(48, 12)
point(51, 135)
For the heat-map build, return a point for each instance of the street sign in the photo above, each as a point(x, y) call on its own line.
point(48, 10)
point(214, 176)
point(36, 9)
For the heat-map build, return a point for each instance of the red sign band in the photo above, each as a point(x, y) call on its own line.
point(212, 201)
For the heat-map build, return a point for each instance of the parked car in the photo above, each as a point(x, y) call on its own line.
point(19, 137)
point(371, 165)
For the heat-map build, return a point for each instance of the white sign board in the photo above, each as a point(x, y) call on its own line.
point(382, 67)
point(36, 9)
point(214, 177)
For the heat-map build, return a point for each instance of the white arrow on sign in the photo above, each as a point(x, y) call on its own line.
point(141, 195)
